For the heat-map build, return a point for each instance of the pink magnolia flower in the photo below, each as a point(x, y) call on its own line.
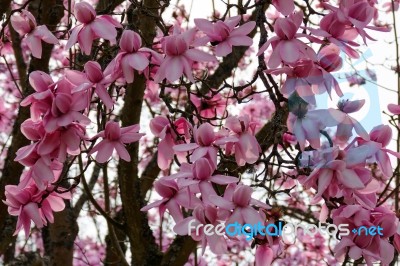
point(223, 34)
point(66, 107)
point(91, 28)
point(179, 56)
point(42, 166)
point(242, 142)
point(65, 140)
point(203, 216)
point(24, 203)
point(200, 175)
point(41, 100)
point(173, 198)
point(357, 14)
point(25, 24)
point(131, 57)
point(237, 198)
point(374, 149)
point(345, 127)
point(161, 127)
point(114, 137)
point(286, 47)
point(332, 175)
point(297, 79)
point(338, 33)
point(372, 248)
point(204, 137)
point(93, 77)
point(307, 125)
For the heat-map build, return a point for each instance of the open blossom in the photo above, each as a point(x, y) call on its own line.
point(345, 127)
point(42, 98)
point(59, 143)
point(161, 127)
point(180, 56)
point(331, 175)
point(371, 248)
point(237, 198)
point(374, 149)
point(66, 107)
point(25, 24)
point(91, 28)
point(199, 177)
point(242, 141)
point(131, 57)
point(24, 203)
point(224, 35)
point(172, 198)
point(307, 125)
point(298, 79)
point(114, 138)
point(93, 77)
point(286, 47)
point(204, 137)
point(336, 32)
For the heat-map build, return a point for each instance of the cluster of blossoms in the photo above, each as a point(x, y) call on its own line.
point(58, 122)
point(201, 192)
point(335, 172)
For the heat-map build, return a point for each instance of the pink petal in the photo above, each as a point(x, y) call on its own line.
point(122, 152)
point(264, 255)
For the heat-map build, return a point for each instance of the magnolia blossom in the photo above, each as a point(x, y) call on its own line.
point(223, 34)
point(114, 138)
point(25, 24)
point(286, 47)
point(345, 127)
point(66, 107)
point(204, 137)
point(242, 141)
point(172, 198)
point(237, 198)
point(336, 32)
point(24, 203)
point(333, 175)
point(180, 56)
point(161, 127)
point(307, 125)
point(131, 57)
point(199, 176)
point(93, 77)
point(42, 98)
point(371, 248)
point(374, 149)
point(91, 28)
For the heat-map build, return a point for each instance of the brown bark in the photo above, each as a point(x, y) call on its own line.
point(143, 247)
point(59, 237)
